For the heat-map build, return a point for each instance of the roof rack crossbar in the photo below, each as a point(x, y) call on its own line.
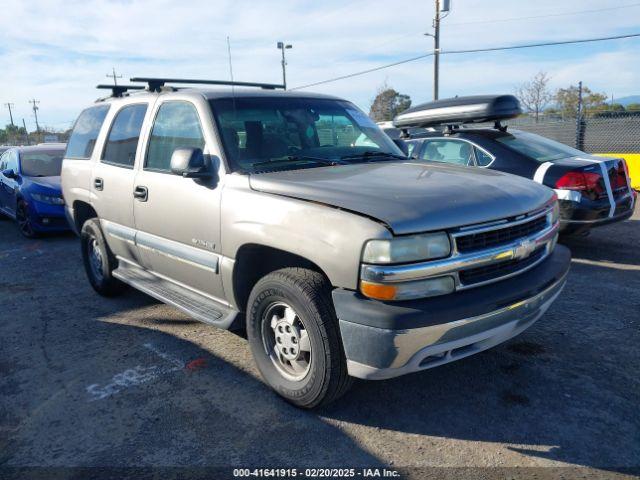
point(154, 84)
point(118, 90)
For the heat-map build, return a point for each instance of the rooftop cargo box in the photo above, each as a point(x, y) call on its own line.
point(451, 111)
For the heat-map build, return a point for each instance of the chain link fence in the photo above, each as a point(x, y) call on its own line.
point(604, 132)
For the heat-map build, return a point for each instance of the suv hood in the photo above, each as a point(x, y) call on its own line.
point(411, 197)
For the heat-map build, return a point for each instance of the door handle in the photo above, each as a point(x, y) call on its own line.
point(141, 193)
point(98, 183)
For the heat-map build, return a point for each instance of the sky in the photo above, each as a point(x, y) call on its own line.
point(57, 51)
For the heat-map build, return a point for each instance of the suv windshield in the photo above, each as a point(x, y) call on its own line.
point(539, 148)
point(279, 133)
point(42, 163)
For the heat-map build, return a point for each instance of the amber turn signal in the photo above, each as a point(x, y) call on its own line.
point(378, 291)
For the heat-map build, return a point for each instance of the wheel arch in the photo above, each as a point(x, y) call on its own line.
point(82, 211)
point(254, 261)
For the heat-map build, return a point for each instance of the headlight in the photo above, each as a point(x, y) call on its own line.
point(50, 199)
point(412, 248)
point(555, 212)
point(430, 287)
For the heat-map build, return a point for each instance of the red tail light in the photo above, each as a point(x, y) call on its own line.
point(582, 181)
point(621, 175)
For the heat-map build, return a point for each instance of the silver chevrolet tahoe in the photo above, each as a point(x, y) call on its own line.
point(294, 216)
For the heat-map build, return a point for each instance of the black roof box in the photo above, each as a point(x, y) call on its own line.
point(471, 109)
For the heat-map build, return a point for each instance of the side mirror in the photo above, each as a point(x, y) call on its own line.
point(9, 173)
point(402, 145)
point(189, 163)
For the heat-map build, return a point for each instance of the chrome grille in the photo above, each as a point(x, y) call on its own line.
point(490, 272)
point(499, 236)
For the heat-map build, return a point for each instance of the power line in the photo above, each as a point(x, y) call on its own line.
point(545, 44)
point(474, 22)
point(548, 15)
point(476, 50)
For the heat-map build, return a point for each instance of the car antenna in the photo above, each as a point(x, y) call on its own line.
point(233, 90)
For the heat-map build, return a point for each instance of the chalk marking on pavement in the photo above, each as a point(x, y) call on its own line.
point(137, 375)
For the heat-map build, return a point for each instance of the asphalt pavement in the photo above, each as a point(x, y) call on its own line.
point(95, 383)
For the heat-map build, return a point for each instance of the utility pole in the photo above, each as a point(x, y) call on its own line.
point(580, 121)
point(282, 46)
point(26, 131)
point(442, 6)
point(9, 105)
point(35, 108)
point(114, 76)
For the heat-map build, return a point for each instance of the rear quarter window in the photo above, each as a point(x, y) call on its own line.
point(85, 132)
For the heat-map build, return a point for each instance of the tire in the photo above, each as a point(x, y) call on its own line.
point(320, 374)
point(99, 261)
point(23, 220)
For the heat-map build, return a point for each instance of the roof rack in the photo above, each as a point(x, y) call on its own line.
point(118, 90)
point(154, 84)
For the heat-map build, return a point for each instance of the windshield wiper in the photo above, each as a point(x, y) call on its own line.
point(372, 154)
point(299, 158)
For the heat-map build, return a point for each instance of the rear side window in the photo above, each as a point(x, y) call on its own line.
point(176, 126)
point(534, 146)
point(85, 132)
point(482, 158)
point(122, 143)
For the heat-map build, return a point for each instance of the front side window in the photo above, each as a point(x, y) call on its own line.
point(122, 143)
point(42, 163)
point(177, 125)
point(3, 161)
point(536, 147)
point(456, 152)
point(12, 161)
point(274, 133)
point(411, 148)
point(85, 132)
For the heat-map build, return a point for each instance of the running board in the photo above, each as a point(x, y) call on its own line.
point(193, 304)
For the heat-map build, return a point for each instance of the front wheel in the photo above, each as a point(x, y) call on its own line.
point(24, 220)
point(99, 262)
point(295, 339)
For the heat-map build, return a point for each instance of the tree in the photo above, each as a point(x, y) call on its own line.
point(12, 135)
point(388, 103)
point(535, 94)
point(567, 100)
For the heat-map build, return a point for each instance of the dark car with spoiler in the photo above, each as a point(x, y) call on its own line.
point(592, 190)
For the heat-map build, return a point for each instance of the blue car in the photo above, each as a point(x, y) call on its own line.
point(30, 189)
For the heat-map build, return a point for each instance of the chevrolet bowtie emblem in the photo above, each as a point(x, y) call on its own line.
point(525, 249)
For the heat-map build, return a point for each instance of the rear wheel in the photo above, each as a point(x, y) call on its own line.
point(295, 339)
point(24, 221)
point(99, 262)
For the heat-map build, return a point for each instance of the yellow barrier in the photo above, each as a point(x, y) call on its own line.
point(633, 161)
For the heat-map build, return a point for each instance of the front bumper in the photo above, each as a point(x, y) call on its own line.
point(388, 339)
point(47, 218)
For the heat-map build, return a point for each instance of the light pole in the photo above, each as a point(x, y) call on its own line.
point(442, 6)
point(282, 46)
